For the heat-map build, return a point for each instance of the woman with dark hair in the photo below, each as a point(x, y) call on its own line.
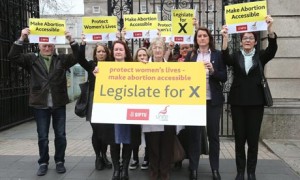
point(121, 52)
point(246, 95)
point(121, 133)
point(100, 53)
point(216, 74)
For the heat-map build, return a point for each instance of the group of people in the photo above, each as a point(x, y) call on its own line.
point(48, 98)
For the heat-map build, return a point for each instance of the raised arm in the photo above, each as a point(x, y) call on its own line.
point(224, 33)
point(81, 57)
point(269, 21)
point(71, 59)
point(271, 50)
point(228, 60)
point(16, 54)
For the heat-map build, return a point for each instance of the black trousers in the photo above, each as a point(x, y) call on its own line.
point(195, 141)
point(99, 146)
point(194, 145)
point(246, 124)
point(213, 128)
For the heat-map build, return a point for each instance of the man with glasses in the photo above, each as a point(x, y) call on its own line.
point(48, 94)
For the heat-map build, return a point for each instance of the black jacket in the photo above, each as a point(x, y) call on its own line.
point(89, 66)
point(106, 131)
point(246, 89)
point(217, 78)
point(42, 81)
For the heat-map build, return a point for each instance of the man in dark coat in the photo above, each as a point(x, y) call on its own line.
point(48, 94)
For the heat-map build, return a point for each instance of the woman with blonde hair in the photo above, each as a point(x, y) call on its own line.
point(141, 55)
point(161, 137)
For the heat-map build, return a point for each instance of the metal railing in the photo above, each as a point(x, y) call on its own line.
point(14, 80)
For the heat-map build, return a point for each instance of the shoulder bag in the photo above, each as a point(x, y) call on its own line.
point(81, 106)
point(265, 85)
point(179, 153)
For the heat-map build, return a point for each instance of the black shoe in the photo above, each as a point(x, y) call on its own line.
point(193, 175)
point(216, 175)
point(134, 165)
point(99, 163)
point(60, 167)
point(124, 175)
point(42, 170)
point(116, 175)
point(251, 176)
point(240, 176)
point(178, 165)
point(145, 165)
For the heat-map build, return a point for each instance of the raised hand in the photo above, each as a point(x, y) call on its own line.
point(269, 21)
point(69, 36)
point(224, 33)
point(83, 40)
point(24, 34)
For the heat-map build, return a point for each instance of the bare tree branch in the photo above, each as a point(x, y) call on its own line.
point(55, 7)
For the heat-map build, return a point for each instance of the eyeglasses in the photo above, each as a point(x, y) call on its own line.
point(248, 38)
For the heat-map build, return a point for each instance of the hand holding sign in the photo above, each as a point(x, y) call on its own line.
point(83, 40)
point(24, 34)
point(69, 36)
point(195, 23)
point(224, 33)
point(269, 21)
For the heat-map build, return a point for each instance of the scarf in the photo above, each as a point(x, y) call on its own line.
point(47, 60)
point(248, 59)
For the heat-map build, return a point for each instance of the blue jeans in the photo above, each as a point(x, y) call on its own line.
point(43, 119)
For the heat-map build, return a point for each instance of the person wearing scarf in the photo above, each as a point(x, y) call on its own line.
point(246, 95)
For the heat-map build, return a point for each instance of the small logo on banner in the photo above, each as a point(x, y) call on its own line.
point(137, 114)
point(254, 27)
point(44, 39)
point(179, 39)
point(137, 34)
point(162, 115)
point(97, 37)
point(241, 28)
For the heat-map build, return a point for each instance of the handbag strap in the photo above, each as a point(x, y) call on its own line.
point(261, 71)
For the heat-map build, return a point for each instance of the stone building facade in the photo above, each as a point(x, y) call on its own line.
point(282, 121)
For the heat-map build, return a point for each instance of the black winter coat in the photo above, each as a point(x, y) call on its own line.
point(42, 81)
point(246, 89)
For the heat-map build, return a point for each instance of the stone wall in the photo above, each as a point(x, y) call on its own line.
point(283, 120)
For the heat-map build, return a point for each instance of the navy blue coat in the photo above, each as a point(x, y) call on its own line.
point(217, 78)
